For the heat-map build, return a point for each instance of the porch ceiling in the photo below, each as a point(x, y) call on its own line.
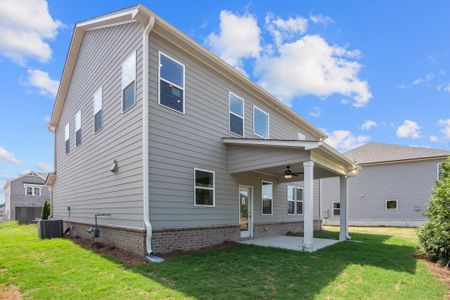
point(271, 157)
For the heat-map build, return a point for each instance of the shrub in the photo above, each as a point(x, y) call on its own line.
point(434, 235)
point(45, 210)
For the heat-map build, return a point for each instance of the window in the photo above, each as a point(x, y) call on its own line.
point(336, 208)
point(78, 128)
point(29, 191)
point(440, 171)
point(98, 110)
point(295, 200)
point(391, 204)
point(204, 187)
point(67, 137)
point(129, 82)
point(171, 83)
point(236, 110)
point(32, 190)
point(301, 136)
point(267, 197)
point(260, 123)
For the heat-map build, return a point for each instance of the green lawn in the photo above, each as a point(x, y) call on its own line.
point(381, 267)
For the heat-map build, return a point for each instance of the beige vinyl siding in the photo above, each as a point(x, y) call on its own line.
point(411, 183)
point(84, 180)
point(178, 143)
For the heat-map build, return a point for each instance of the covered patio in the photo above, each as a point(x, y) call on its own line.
point(290, 161)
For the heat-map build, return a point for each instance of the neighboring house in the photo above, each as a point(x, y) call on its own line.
point(179, 148)
point(392, 188)
point(24, 197)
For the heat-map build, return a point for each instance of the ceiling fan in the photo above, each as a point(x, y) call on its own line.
point(288, 174)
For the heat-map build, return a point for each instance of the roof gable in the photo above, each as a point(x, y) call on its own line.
point(381, 153)
point(143, 15)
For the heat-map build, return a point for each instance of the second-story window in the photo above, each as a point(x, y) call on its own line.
point(236, 108)
point(98, 110)
point(171, 83)
point(67, 137)
point(260, 122)
point(129, 82)
point(78, 128)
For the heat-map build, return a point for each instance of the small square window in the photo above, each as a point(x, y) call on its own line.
point(37, 191)
point(171, 83)
point(29, 191)
point(391, 204)
point(204, 187)
point(336, 209)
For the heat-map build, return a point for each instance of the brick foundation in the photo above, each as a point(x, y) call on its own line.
point(186, 239)
point(165, 240)
point(128, 239)
point(281, 228)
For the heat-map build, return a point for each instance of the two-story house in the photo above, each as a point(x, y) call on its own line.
point(179, 148)
point(24, 197)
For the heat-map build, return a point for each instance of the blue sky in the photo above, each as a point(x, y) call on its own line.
point(339, 64)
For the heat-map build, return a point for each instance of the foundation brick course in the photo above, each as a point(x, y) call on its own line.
point(165, 240)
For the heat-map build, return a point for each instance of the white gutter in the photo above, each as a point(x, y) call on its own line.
point(148, 225)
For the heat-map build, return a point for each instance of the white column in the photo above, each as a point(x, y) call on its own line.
point(343, 233)
point(308, 214)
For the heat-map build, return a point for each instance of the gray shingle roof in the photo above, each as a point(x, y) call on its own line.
point(379, 152)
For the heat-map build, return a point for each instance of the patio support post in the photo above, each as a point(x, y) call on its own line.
point(343, 233)
point(308, 218)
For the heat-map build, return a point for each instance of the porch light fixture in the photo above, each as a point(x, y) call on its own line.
point(288, 174)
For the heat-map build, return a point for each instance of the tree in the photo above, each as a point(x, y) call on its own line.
point(45, 210)
point(434, 235)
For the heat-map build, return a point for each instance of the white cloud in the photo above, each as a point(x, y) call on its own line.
point(238, 38)
point(321, 19)
point(427, 78)
point(44, 167)
point(344, 140)
point(445, 87)
point(409, 129)
point(42, 81)
point(26, 26)
point(445, 127)
point(433, 138)
point(310, 66)
point(368, 124)
point(8, 156)
point(315, 112)
point(285, 29)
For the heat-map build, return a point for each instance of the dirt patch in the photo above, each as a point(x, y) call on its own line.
point(9, 292)
point(127, 258)
point(443, 273)
point(176, 253)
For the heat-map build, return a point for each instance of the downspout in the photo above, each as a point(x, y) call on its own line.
point(145, 69)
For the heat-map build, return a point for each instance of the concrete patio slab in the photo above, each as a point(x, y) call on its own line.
point(288, 242)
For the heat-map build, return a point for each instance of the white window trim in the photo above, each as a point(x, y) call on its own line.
point(205, 188)
point(93, 110)
point(167, 81)
point(33, 186)
point(262, 200)
point(388, 209)
point(135, 83)
point(230, 112)
point(81, 125)
point(332, 208)
point(268, 122)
